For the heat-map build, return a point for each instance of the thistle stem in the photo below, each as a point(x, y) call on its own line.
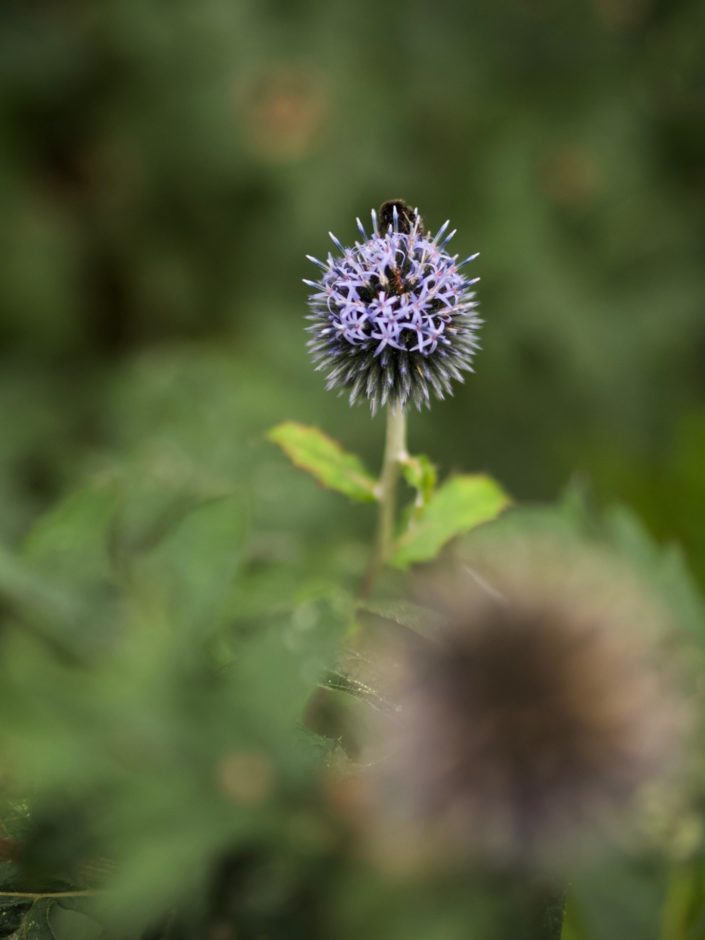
point(546, 912)
point(394, 454)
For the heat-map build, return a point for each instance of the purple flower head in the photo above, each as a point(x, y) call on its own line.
point(393, 317)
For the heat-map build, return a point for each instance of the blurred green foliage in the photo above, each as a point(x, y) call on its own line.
point(163, 170)
point(159, 651)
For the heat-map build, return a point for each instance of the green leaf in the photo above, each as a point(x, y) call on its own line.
point(68, 924)
point(35, 925)
point(312, 450)
point(22, 589)
point(683, 909)
point(192, 567)
point(664, 565)
point(71, 541)
point(403, 613)
point(421, 474)
point(61, 584)
point(462, 503)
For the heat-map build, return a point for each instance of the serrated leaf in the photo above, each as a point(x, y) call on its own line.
point(313, 451)
point(404, 613)
point(458, 506)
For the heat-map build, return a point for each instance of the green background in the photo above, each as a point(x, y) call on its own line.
point(165, 167)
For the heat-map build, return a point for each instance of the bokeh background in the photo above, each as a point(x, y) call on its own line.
point(165, 167)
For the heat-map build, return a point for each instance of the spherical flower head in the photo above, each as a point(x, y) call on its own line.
point(529, 718)
point(393, 316)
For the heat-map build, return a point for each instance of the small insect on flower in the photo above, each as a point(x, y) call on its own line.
point(393, 316)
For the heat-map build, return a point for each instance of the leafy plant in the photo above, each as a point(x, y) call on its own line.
point(194, 645)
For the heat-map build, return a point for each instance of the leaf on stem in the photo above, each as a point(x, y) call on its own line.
point(462, 503)
point(420, 474)
point(313, 451)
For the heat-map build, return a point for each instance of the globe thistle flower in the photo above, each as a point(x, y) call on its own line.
point(393, 316)
point(527, 719)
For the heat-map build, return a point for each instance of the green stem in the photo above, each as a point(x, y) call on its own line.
point(554, 900)
point(543, 912)
point(394, 453)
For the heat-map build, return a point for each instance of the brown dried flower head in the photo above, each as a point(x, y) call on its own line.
point(531, 714)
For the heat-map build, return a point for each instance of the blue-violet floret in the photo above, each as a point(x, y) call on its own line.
point(393, 316)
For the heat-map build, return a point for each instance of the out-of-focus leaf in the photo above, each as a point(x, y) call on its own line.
point(156, 501)
point(340, 682)
point(71, 541)
point(312, 450)
point(684, 908)
point(35, 924)
point(404, 613)
point(12, 912)
point(68, 924)
point(458, 506)
point(665, 566)
point(191, 568)
point(68, 553)
point(27, 592)
point(56, 608)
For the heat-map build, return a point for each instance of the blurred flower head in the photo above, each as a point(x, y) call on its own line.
point(393, 317)
point(530, 716)
point(284, 112)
